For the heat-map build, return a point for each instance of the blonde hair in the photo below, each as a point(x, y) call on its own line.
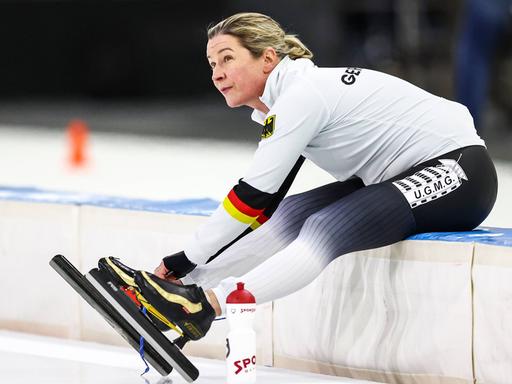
point(256, 32)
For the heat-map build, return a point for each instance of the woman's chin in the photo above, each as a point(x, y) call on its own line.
point(232, 103)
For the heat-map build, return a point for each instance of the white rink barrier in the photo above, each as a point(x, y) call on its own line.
point(419, 311)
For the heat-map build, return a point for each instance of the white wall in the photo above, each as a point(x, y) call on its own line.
point(413, 312)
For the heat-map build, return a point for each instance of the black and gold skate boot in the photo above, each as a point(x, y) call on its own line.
point(183, 305)
point(123, 277)
point(122, 274)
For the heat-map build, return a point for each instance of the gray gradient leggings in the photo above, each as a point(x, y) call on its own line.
point(453, 192)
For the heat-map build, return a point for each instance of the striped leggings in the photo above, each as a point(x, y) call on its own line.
point(453, 192)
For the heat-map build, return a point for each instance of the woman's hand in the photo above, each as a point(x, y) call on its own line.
point(178, 264)
point(162, 272)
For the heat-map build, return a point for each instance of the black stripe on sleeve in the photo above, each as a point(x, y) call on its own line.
point(276, 199)
point(283, 190)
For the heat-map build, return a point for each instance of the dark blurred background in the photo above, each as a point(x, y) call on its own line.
point(139, 65)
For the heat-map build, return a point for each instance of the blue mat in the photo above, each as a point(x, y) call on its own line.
point(200, 207)
point(486, 235)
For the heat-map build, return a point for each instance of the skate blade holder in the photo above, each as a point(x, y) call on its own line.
point(118, 310)
point(143, 302)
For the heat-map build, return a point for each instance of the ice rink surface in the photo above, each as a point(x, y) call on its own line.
point(27, 359)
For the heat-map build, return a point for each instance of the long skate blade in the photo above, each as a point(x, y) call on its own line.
point(85, 289)
point(142, 324)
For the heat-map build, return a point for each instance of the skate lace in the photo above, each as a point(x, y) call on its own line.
point(141, 348)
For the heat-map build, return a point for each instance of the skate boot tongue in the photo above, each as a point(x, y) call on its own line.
point(184, 305)
point(123, 274)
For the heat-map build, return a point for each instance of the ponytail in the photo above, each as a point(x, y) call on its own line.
point(296, 48)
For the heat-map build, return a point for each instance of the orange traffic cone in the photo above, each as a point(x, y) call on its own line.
point(78, 133)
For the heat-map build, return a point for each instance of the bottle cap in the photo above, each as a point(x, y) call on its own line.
point(240, 296)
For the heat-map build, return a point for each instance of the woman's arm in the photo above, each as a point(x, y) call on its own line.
point(292, 122)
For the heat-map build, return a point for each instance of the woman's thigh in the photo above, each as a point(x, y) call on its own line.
point(453, 192)
point(295, 209)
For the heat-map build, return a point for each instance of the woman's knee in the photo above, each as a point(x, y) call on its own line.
point(288, 206)
point(316, 224)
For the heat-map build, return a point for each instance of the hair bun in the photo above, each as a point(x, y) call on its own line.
point(256, 32)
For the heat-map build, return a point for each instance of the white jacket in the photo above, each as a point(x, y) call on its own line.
point(349, 122)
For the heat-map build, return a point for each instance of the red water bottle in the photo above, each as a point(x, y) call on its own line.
point(241, 339)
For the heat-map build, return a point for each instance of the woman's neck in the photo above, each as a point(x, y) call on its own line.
point(259, 106)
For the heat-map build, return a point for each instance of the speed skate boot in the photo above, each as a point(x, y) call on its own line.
point(124, 277)
point(184, 305)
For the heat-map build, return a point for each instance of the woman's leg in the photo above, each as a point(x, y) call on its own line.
point(453, 192)
point(371, 217)
point(277, 233)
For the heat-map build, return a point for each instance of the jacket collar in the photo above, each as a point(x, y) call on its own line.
point(272, 89)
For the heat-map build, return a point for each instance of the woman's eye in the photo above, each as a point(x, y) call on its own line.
point(227, 58)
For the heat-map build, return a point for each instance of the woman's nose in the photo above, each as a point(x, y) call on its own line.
point(217, 74)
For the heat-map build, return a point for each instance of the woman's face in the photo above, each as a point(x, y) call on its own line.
point(236, 73)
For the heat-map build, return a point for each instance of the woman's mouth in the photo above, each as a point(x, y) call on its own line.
point(225, 90)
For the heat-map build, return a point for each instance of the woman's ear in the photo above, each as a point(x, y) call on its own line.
point(270, 59)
